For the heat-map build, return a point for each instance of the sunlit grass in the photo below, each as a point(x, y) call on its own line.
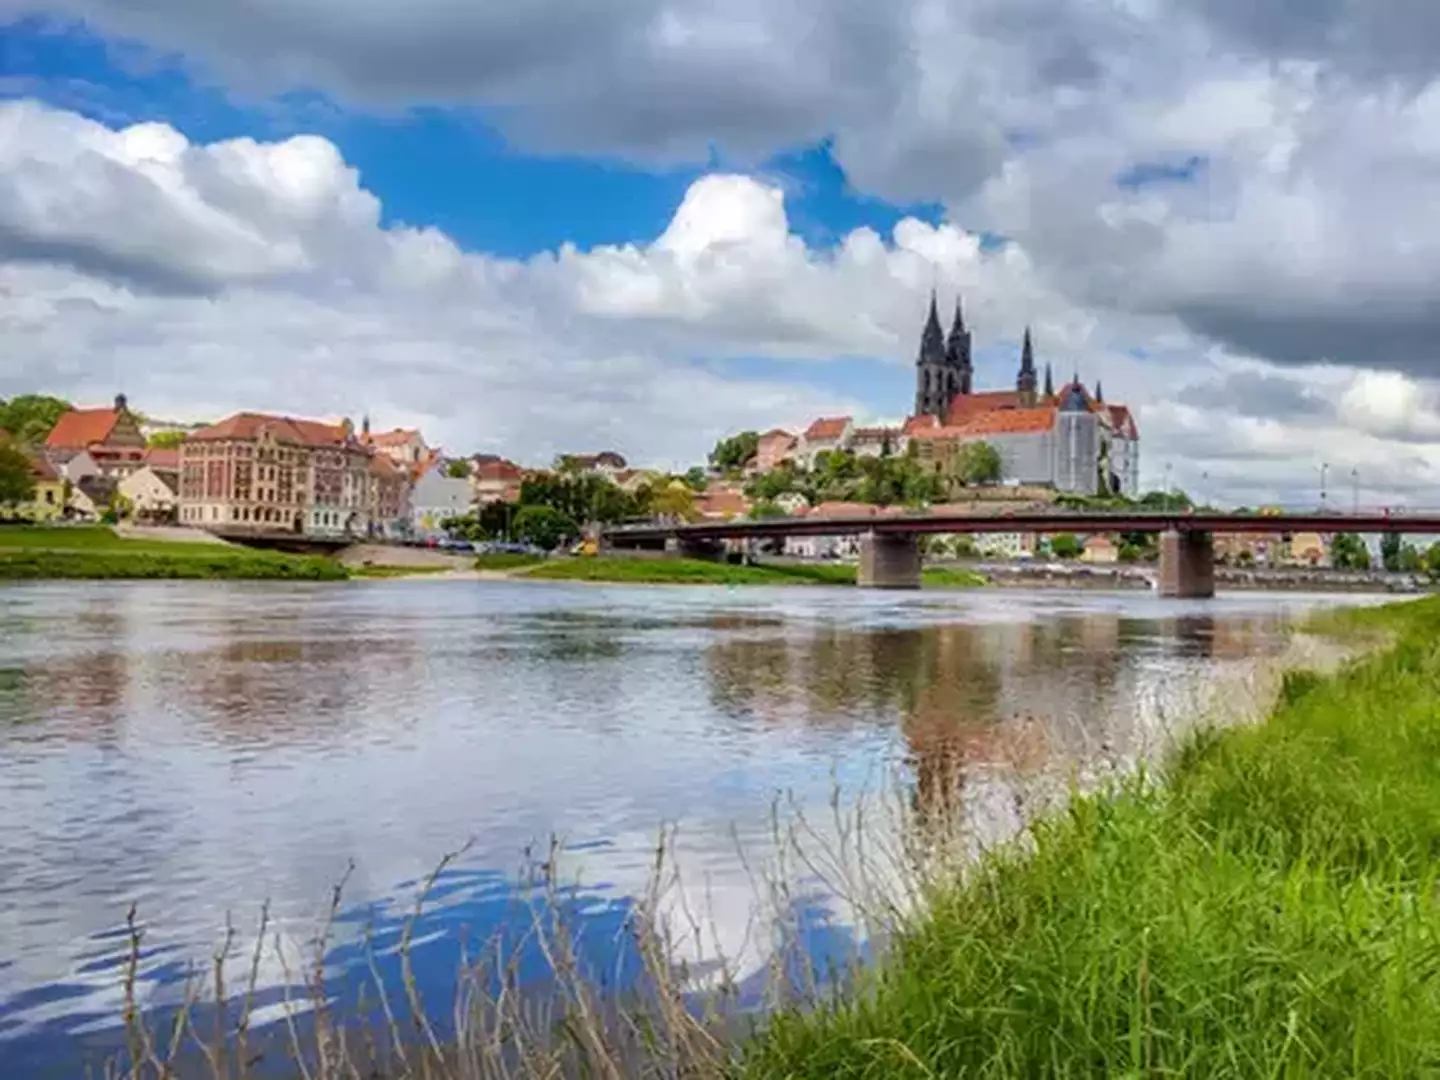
point(702, 572)
point(1270, 911)
point(30, 553)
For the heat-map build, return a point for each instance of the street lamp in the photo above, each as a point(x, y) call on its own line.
point(1167, 485)
point(1324, 468)
point(1355, 484)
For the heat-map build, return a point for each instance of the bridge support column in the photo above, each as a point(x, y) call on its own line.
point(888, 562)
point(1187, 565)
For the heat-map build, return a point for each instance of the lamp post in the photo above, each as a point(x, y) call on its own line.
point(1324, 468)
point(1167, 486)
point(1355, 492)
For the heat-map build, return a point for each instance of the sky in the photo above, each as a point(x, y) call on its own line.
point(559, 226)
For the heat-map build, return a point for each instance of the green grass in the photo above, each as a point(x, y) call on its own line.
point(1271, 911)
point(949, 577)
point(702, 572)
point(690, 572)
point(31, 553)
point(506, 560)
point(94, 538)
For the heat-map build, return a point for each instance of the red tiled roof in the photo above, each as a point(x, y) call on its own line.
point(397, 437)
point(914, 424)
point(722, 504)
point(160, 458)
point(80, 428)
point(1009, 422)
point(963, 406)
point(777, 433)
point(495, 468)
point(827, 427)
point(1123, 421)
point(247, 425)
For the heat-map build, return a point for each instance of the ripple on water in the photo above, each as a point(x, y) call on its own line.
point(201, 751)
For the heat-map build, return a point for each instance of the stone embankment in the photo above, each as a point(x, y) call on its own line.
point(1299, 579)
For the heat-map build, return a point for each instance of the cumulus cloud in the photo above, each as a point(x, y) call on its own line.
point(205, 278)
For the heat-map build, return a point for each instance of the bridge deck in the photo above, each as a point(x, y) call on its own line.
point(1034, 522)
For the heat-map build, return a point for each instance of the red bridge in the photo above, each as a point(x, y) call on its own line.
point(890, 557)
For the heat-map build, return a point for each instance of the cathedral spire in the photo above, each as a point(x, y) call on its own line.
point(1025, 382)
point(934, 382)
point(1049, 382)
point(957, 354)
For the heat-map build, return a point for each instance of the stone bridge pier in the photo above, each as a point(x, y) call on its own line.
point(888, 561)
point(686, 548)
point(1187, 565)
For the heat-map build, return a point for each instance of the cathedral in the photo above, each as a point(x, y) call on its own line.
point(1068, 439)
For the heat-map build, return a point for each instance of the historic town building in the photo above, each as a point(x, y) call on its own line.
point(111, 437)
point(276, 473)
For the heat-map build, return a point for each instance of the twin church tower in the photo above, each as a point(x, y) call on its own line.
point(944, 368)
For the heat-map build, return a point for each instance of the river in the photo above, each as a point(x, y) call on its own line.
point(199, 749)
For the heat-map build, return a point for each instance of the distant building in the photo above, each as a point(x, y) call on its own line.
point(825, 435)
point(276, 474)
point(390, 486)
point(404, 446)
point(91, 498)
point(494, 479)
point(774, 447)
point(1099, 550)
point(436, 498)
point(110, 436)
point(47, 497)
point(606, 463)
point(153, 490)
point(72, 465)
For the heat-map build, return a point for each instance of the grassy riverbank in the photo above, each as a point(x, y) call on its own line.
point(1271, 911)
point(701, 572)
point(29, 553)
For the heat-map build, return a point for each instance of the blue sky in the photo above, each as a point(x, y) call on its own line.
point(430, 166)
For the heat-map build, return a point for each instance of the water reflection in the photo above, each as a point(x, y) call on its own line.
point(202, 748)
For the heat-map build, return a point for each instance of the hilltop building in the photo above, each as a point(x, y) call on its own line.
point(1066, 439)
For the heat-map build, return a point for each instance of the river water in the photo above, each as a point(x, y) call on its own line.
point(201, 749)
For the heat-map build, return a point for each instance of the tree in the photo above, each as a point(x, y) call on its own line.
point(458, 469)
point(673, 500)
point(1390, 552)
point(1065, 546)
point(17, 485)
point(165, 440)
point(1348, 552)
point(30, 417)
point(1411, 561)
point(544, 526)
point(977, 463)
point(735, 452)
point(695, 477)
point(1432, 559)
point(762, 511)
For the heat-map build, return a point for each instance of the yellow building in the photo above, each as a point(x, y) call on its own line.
point(47, 501)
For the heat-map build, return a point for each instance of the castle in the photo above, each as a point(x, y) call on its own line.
point(1068, 439)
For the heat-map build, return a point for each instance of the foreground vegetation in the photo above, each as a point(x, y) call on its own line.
point(506, 560)
point(1270, 911)
point(30, 553)
point(701, 572)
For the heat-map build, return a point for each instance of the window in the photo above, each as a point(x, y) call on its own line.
point(50, 496)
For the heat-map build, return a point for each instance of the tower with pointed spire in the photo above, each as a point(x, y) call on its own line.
point(1025, 381)
point(957, 353)
point(934, 380)
point(1049, 382)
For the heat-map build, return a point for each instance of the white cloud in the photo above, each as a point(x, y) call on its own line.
point(257, 275)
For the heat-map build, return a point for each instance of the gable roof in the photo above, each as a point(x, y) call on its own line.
point(963, 406)
point(1010, 422)
point(396, 437)
point(80, 428)
point(161, 458)
point(827, 427)
point(247, 425)
point(1123, 421)
point(42, 470)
